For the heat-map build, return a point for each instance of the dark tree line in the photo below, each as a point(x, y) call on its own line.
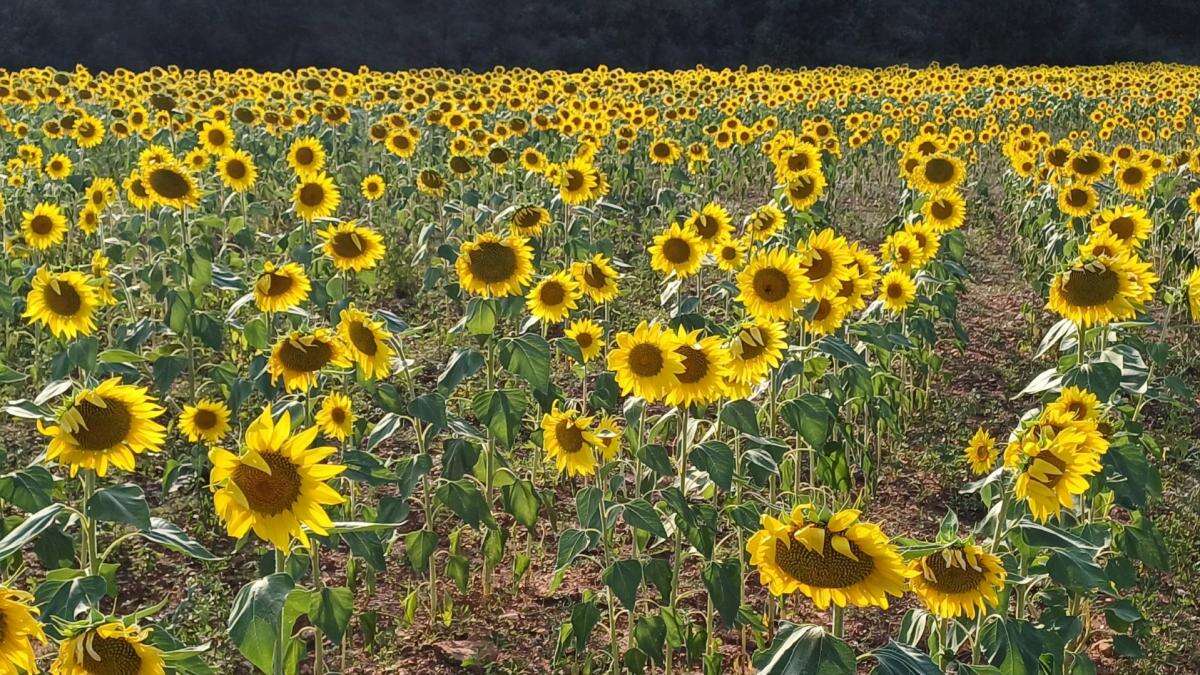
point(572, 34)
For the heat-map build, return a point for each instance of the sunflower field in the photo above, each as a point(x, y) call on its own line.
point(758, 370)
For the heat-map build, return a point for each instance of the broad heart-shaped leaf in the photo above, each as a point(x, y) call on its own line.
point(900, 659)
point(1046, 380)
point(255, 621)
point(463, 364)
point(624, 577)
point(804, 650)
point(1099, 377)
point(28, 489)
point(741, 415)
point(520, 500)
point(121, 504)
point(387, 425)
point(501, 411)
point(30, 528)
point(722, 580)
point(464, 499)
point(431, 409)
point(715, 458)
point(570, 544)
point(808, 416)
point(841, 350)
point(528, 357)
point(640, 514)
point(173, 537)
point(67, 593)
point(330, 611)
point(419, 545)
point(584, 617)
point(1012, 645)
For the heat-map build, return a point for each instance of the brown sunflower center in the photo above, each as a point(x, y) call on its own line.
point(798, 162)
point(771, 284)
point(568, 435)
point(338, 415)
point(646, 360)
point(939, 171)
point(305, 156)
point(1086, 165)
point(827, 569)
point(802, 188)
point(278, 284)
point(951, 578)
point(750, 347)
point(895, 291)
point(493, 262)
point(1133, 176)
point(941, 209)
point(110, 656)
point(662, 150)
point(695, 364)
point(102, 427)
point(41, 224)
point(168, 183)
point(677, 250)
point(205, 419)
point(594, 276)
point(235, 169)
point(216, 137)
point(362, 338)
point(312, 194)
point(707, 226)
point(575, 180)
point(552, 293)
point(269, 493)
point(300, 357)
point(1090, 288)
point(584, 339)
point(821, 265)
point(824, 307)
point(62, 298)
point(526, 219)
point(348, 245)
point(1123, 227)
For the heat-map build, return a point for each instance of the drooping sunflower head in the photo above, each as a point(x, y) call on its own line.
point(959, 580)
point(677, 250)
point(705, 367)
point(1095, 291)
point(981, 452)
point(570, 441)
point(281, 288)
point(315, 196)
point(553, 298)
point(351, 246)
point(772, 284)
point(645, 362)
point(110, 424)
point(65, 302)
point(335, 418)
point(831, 558)
point(589, 335)
point(44, 226)
point(276, 486)
point(111, 648)
point(496, 266)
point(431, 182)
point(529, 220)
point(367, 342)
point(298, 358)
point(206, 421)
point(597, 278)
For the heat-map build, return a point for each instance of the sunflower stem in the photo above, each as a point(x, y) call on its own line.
point(318, 636)
point(836, 620)
point(89, 525)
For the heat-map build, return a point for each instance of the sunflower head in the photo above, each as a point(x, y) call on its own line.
point(494, 266)
point(352, 247)
point(958, 580)
point(109, 424)
point(109, 648)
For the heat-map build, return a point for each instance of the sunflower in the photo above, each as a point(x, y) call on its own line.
point(58, 166)
point(529, 220)
point(1133, 178)
point(352, 247)
point(367, 342)
point(705, 367)
point(827, 315)
point(756, 348)
point(1077, 199)
point(108, 424)
point(897, 290)
point(100, 193)
point(1130, 224)
point(88, 220)
point(44, 226)
point(903, 251)
point(533, 160)
point(937, 173)
point(958, 580)
point(431, 182)
point(306, 155)
point(577, 181)
point(207, 421)
point(1102, 243)
point(856, 289)
point(297, 358)
point(1095, 291)
point(981, 452)
point(279, 289)
point(764, 222)
point(589, 335)
point(664, 151)
point(196, 159)
point(945, 211)
point(677, 249)
point(492, 265)
point(805, 189)
point(276, 487)
point(63, 301)
point(216, 137)
point(772, 285)
point(1053, 463)
point(1076, 403)
point(372, 187)
point(730, 254)
point(1087, 165)
point(1193, 201)
point(315, 196)
point(335, 419)
point(711, 224)
point(608, 430)
point(171, 184)
point(18, 627)
point(826, 261)
point(1193, 293)
point(137, 192)
point(645, 362)
point(596, 278)
point(829, 558)
point(112, 647)
point(568, 439)
point(553, 298)
point(236, 170)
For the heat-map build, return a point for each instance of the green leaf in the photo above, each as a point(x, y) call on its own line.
point(1100, 377)
point(722, 579)
point(570, 545)
point(466, 501)
point(584, 617)
point(641, 514)
point(28, 529)
point(624, 577)
point(741, 415)
point(520, 500)
point(119, 356)
point(121, 504)
point(650, 634)
point(501, 411)
point(330, 611)
point(255, 621)
point(716, 459)
point(804, 650)
point(173, 537)
point(463, 364)
point(458, 568)
point(430, 409)
point(528, 357)
point(1012, 645)
point(384, 429)
point(808, 416)
point(900, 659)
point(419, 545)
point(28, 489)
point(68, 593)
